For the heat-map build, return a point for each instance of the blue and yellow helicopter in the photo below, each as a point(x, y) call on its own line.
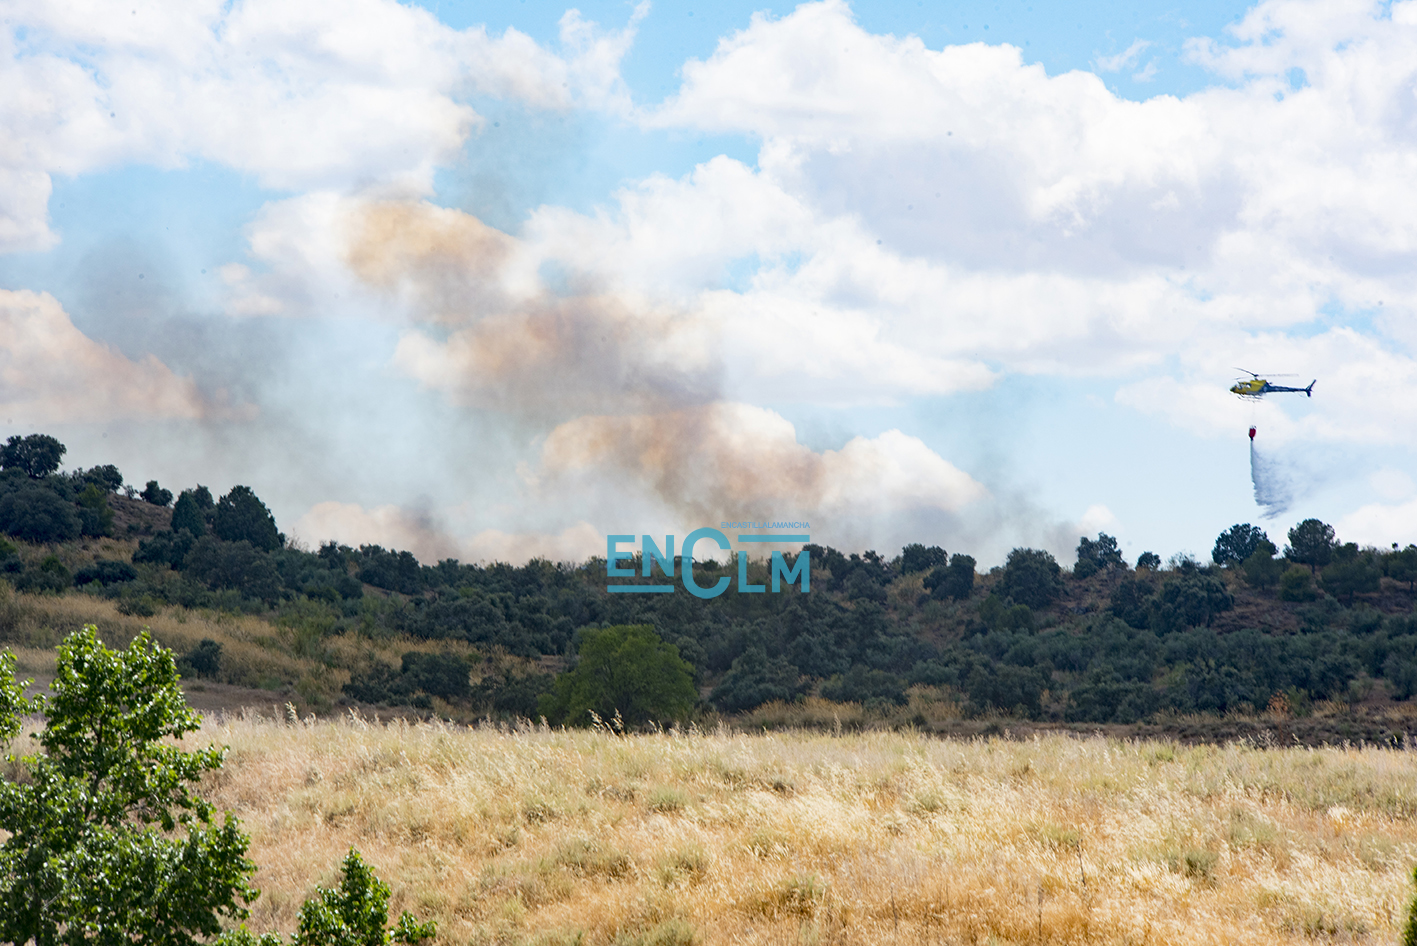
point(1257, 387)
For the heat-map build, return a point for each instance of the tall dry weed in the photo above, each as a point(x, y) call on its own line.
point(539, 836)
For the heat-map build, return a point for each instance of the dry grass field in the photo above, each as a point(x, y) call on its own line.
point(558, 837)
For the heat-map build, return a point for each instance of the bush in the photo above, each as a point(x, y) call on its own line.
point(95, 518)
point(1297, 584)
point(865, 686)
point(917, 558)
point(1261, 568)
point(105, 572)
point(754, 679)
point(955, 580)
point(37, 514)
point(155, 494)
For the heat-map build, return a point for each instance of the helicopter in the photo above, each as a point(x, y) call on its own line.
point(1257, 387)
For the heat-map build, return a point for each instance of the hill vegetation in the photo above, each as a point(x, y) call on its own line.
point(1322, 631)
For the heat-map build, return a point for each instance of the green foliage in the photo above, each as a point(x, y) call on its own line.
point(917, 558)
point(205, 658)
point(628, 670)
point(1097, 555)
point(37, 455)
point(1402, 566)
point(1191, 600)
point(1351, 572)
point(189, 515)
point(865, 686)
point(95, 518)
point(107, 843)
point(106, 477)
point(955, 580)
point(241, 516)
point(1031, 577)
point(1148, 561)
point(755, 679)
point(1238, 543)
point(37, 514)
point(1409, 929)
point(155, 494)
point(355, 913)
point(1311, 543)
point(1261, 568)
point(1297, 584)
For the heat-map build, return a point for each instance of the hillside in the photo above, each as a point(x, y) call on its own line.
point(1319, 647)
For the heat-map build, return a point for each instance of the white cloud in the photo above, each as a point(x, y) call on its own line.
point(1123, 60)
point(52, 373)
point(1379, 524)
point(302, 94)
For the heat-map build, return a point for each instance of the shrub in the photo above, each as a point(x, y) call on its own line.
point(155, 494)
point(37, 514)
point(1297, 584)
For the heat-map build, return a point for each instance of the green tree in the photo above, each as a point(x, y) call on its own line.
point(95, 518)
point(917, 558)
point(1297, 584)
point(37, 455)
point(1237, 543)
point(1351, 572)
point(1096, 555)
point(955, 580)
point(1148, 562)
point(106, 477)
point(1402, 566)
point(1261, 568)
point(188, 514)
point(1031, 577)
point(626, 669)
point(241, 515)
point(37, 514)
point(155, 494)
point(107, 844)
point(1311, 543)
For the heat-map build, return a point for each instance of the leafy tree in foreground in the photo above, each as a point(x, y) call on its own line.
point(1311, 543)
point(107, 843)
point(37, 455)
point(1237, 543)
point(625, 669)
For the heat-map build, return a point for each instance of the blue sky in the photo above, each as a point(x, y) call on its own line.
point(494, 280)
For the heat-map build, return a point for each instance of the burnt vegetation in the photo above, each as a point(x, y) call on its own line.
point(1258, 629)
